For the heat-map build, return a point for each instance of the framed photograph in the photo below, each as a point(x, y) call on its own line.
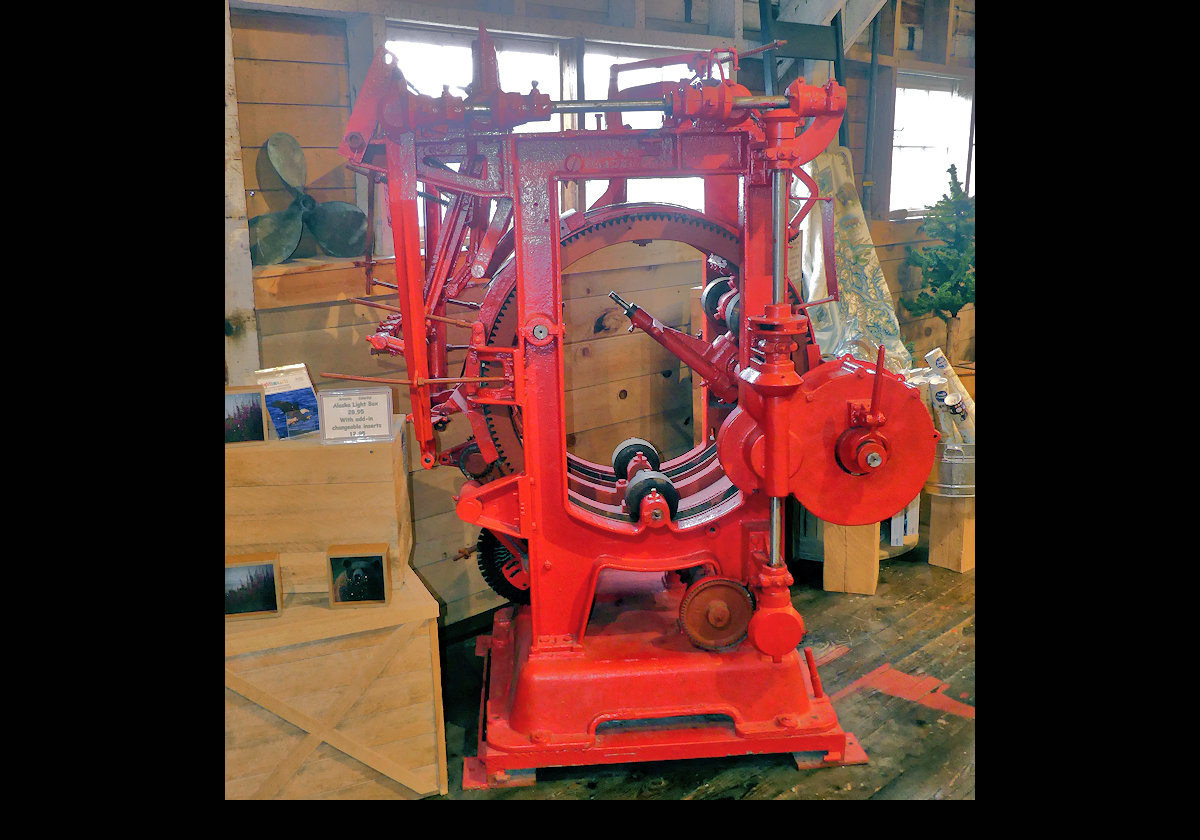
point(245, 415)
point(252, 586)
point(291, 400)
point(355, 415)
point(359, 575)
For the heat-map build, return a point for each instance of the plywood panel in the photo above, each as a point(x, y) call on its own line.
point(311, 125)
point(592, 406)
point(316, 280)
point(587, 318)
point(609, 359)
point(671, 435)
point(291, 83)
point(288, 37)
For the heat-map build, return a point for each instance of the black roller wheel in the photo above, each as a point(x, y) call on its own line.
point(627, 449)
point(501, 570)
point(642, 484)
point(712, 295)
point(733, 314)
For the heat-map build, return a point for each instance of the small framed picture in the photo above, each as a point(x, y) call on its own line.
point(252, 586)
point(245, 415)
point(359, 575)
point(291, 400)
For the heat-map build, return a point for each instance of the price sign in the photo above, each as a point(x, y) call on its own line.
point(350, 415)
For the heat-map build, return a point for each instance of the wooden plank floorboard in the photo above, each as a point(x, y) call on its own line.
point(920, 624)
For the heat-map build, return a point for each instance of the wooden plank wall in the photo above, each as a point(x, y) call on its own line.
point(291, 75)
point(957, 41)
point(622, 384)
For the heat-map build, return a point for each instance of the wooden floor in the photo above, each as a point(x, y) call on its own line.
point(900, 666)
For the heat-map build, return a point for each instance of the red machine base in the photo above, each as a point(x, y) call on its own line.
point(636, 690)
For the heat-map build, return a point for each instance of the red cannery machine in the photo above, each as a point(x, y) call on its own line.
point(579, 671)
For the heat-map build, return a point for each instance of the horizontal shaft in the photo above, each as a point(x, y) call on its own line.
point(597, 105)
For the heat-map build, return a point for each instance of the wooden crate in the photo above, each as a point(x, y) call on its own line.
point(336, 704)
point(299, 497)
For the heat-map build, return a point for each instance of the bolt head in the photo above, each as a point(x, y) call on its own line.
point(874, 459)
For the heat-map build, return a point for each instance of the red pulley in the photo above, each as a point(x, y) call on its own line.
point(866, 442)
point(861, 443)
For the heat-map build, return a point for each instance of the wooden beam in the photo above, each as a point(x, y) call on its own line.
point(365, 34)
point(857, 16)
point(937, 32)
point(630, 14)
point(241, 325)
point(898, 37)
point(725, 19)
point(400, 11)
point(570, 62)
point(881, 142)
point(819, 12)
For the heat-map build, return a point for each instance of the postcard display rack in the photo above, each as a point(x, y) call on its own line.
point(326, 699)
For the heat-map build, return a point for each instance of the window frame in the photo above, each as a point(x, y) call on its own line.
point(910, 79)
point(441, 35)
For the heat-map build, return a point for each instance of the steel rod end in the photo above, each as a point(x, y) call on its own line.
point(628, 307)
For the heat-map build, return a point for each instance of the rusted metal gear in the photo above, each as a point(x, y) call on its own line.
point(715, 613)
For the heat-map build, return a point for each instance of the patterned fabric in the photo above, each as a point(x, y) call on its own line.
point(864, 316)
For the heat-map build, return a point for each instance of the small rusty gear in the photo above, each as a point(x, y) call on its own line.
point(715, 613)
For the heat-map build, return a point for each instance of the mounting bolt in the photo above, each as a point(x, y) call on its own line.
point(874, 459)
point(540, 331)
point(656, 515)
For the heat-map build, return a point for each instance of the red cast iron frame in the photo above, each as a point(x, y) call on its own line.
point(574, 677)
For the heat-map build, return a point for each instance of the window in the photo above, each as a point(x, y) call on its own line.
point(430, 59)
point(597, 63)
point(934, 128)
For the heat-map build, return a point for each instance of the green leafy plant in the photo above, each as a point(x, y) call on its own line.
point(948, 269)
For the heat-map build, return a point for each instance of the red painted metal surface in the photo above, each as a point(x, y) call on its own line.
point(579, 675)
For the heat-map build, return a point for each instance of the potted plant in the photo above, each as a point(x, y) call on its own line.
point(947, 269)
